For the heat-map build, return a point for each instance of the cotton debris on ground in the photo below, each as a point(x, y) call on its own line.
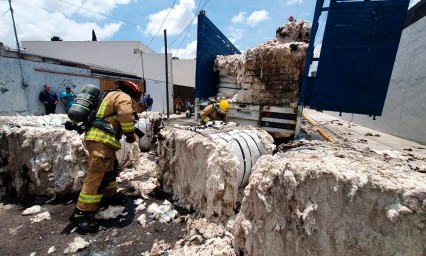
point(203, 237)
point(332, 199)
point(32, 210)
point(112, 212)
point(77, 244)
point(163, 213)
point(141, 176)
point(40, 217)
point(202, 173)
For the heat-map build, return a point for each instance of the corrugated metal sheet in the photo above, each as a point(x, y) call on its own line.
point(210, 43)
point(358, 51)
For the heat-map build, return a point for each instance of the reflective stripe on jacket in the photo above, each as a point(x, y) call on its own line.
point(120, 106)
point(211, 113)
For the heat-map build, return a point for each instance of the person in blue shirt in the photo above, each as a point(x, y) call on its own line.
point(68, 98)
point(148, 101)
point(49, 99)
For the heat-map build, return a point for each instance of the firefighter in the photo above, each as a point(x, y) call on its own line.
point(215, 112)
point(114, 118)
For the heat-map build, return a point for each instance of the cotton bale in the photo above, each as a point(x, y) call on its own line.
point(318, 198)
point(204, 169)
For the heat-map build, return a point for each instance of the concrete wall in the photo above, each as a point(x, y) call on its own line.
point(404, 112)
point(157, 90)
point(16, 98)
point(118, 55)
point(184, 72)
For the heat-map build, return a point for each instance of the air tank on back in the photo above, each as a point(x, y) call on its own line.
point(85, 102)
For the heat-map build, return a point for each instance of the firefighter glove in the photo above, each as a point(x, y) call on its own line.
point(206, 120)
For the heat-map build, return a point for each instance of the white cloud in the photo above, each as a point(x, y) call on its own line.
point(42, 24)
point(100, 6)
point(239, 18)
point(292, 2)
point(257, 17)
point(73, 8)
point(235, 34)
point(190, 52)
point(178, 19)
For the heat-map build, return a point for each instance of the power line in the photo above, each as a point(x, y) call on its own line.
point(134, 64)
point(297, 10)
point(5, 12)
point(183, 40)
point(140, 57)
point(101, 14)
point(188, 26)
point(162, 23)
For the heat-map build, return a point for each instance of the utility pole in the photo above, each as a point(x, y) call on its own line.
point(135, 51)
point(14, 28)
point(21, 57)
point(167, 72)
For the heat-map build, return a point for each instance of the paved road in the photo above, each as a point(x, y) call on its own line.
point(361, 136)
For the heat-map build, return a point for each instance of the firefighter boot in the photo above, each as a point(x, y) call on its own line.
point(85, 221)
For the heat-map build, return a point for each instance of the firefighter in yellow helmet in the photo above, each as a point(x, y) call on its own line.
point(215, 111)
point(114, 118)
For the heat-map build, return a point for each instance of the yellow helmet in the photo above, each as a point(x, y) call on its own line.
point(224, 106)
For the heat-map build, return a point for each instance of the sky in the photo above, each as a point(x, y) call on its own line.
point(246, 23)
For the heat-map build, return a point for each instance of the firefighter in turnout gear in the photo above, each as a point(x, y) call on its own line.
point(114, 118)
point(215, 112)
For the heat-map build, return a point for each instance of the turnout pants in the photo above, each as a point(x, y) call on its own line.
point(100, 178)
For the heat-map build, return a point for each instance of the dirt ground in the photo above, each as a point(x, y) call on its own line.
point(121, 236)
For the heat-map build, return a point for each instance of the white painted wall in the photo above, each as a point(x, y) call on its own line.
point(118, 55)
point(157, 91)
point(404, 112)
point(18, 99)
point(184, 72)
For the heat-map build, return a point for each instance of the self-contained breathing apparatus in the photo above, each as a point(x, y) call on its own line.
point(83, 113)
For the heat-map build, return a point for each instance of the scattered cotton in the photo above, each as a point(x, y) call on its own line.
point(51, 250)
point(32, 210)
point(112, 212)
point(78, 244)
point(40, 217)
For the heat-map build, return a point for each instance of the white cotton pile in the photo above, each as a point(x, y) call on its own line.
point(269, 74)
point(40, 217)
point(32, 210)
point(42, 160)
point(163, 213)
point(112, 212)
point(51, 250)
point(203, 237)
point(78, 244)
point(332, 199)
point(200, 172)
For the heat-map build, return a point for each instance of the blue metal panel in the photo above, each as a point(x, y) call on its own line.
point(210, 43)
point(307, 82)
point(357, 55)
